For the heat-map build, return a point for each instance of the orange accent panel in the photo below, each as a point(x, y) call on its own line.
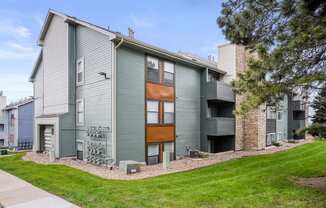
point(160, 133)
point(159, 92)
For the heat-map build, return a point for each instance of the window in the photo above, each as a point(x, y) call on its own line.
point(168, 113)
point(169, 147)
point(80, 112)
point(2, 127)
point(279, 115)
point(152, 112)
point(12, 120)
point(153, 153)
point(153, 150)
point(168, 73)
point(80, 71)
point(153, 72)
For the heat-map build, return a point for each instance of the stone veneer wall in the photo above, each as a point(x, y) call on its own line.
point(251, 128)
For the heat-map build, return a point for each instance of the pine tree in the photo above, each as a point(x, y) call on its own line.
point(318, 127)
point(289, 38)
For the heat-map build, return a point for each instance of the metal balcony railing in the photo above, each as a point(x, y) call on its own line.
point(220, 126)
point(216, 90)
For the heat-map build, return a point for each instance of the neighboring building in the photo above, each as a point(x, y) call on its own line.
point(267, 124)
point(105, 97)
point(19, 120)
point(3, 120)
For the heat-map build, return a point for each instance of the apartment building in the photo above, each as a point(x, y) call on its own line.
point(3, 123)
point(19, 117)
point(106, 97)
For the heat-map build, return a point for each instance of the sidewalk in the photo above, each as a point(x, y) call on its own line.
point(16, 193)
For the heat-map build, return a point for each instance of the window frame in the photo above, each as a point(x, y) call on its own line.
point(82, 61)
point(161, 70)
point(279, 115)
point(173, 104)
point(151, 68)
point(165, 71)
point(158, 112)
point(78, 112)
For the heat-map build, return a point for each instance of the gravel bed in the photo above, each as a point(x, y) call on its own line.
point(156, 170)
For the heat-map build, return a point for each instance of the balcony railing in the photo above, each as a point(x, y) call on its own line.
point(298, 124)
point(220, 126)
point(216, 90)
point(298, 105)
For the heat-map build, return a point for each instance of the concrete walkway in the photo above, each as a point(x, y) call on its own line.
point(16, 193)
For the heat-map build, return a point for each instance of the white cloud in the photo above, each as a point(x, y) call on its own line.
point(141, 21)
point(9, 28)
point(13, 50)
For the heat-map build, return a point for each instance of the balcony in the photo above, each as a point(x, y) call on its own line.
point(220, 126)
point(216, 90)
point(298, 124)
point(298, 105)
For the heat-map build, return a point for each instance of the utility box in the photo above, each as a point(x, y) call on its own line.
point(129, 166)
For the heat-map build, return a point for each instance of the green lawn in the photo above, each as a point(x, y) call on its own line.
point(259, 181)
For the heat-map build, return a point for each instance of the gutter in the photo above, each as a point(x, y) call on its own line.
point(114, 104)
point(165, 53)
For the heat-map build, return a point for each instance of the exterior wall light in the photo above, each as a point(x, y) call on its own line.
point(104, 74)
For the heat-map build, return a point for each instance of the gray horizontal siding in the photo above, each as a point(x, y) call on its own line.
point(25, 122)
point(187, 108)
point(130, 105)
point(96, 49)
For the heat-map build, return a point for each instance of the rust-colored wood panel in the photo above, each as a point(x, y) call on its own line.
point(159, 92)
point(160, 133)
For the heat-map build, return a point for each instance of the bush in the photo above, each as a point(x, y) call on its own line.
point(317, 129)
point(277, 144)
point(3, 152)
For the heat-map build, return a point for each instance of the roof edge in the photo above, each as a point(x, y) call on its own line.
point(36, 66)
point(164, 52)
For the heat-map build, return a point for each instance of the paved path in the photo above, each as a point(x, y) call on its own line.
point(16, 193)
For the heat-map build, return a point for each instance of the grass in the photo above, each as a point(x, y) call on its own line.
point(258, 181)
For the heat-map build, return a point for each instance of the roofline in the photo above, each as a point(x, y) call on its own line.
point(36, 66)
point(163, 52)
point(69, 20)
point(19, 104)
point(116, 36)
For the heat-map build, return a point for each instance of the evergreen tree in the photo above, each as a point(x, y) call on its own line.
point(289, 38)
point(318, 127)
point(319, 105)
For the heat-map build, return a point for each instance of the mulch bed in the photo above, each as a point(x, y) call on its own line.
point(180, 165)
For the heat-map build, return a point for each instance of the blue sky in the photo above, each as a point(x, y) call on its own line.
point(186, 25)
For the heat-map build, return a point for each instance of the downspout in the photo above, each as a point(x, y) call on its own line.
point(113, 109)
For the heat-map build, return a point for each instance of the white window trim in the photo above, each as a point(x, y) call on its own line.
point(82, 60)
point(164, 111)
point(77, 111)
point(158, 112)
